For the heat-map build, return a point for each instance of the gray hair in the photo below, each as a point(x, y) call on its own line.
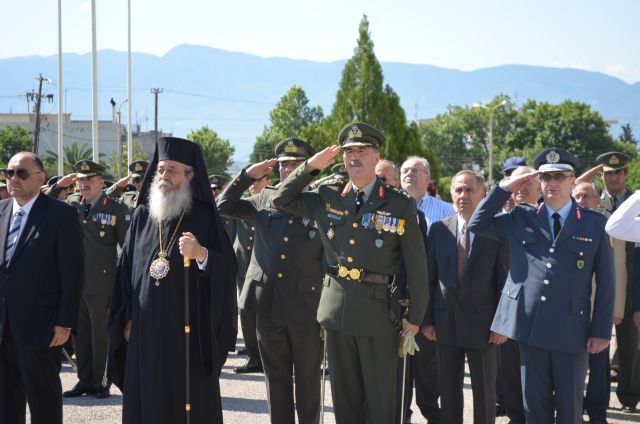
point(479, 179)
point(593, 187)
point(396, 170)
point(422, 160)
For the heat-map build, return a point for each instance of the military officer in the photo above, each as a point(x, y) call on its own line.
point(282, 287)
point(555, 250)
point(119, 189)
point(366, 227)
point(105, 223)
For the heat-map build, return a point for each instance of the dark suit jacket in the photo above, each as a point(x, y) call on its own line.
point(463, 315)
point(41, 286)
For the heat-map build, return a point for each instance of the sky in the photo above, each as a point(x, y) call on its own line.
point(460, 34)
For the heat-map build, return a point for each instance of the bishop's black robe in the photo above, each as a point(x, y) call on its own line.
point(150, 369)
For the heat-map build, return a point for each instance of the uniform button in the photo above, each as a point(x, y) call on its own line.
point(250, 237)
point(104, 271)
point(283, 257)
point(543, 298)
point(291, 221)
point(279, 275)
point(546, 282)
point(248, 247)
point(352, 242)
point(524, 242)
point(285, 238)
point(548, 265)
point(355, 225)
point(349, 259)
point(551, 250)
point(313, 289)
point(253, 228)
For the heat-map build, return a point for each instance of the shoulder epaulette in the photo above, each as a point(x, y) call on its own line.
point(400, 191)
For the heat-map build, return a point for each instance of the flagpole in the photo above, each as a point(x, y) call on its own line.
point(60, 103)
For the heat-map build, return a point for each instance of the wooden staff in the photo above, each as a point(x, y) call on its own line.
point(187, 332)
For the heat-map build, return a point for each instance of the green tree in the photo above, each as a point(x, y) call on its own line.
point(217, 151)
point(12, 141)
point(73, 154)
point(291, 117)
point(627, 134)
point(363, 96)
point(119, 165)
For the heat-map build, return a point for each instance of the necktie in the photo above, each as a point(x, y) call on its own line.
point(87, 207)
point(359, 199)
point(462, 253)
point(556, 224)
point(12, 236)
point(614, 203)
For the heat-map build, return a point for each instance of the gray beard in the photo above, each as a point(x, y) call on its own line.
point(164, 207)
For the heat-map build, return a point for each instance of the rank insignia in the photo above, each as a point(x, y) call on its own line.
point(330, 233)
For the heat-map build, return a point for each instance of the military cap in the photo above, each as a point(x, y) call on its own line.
point(3, 178)
point(218, 181)
point(87, 168)
point(613, 161)
point(51, 181)
point(138, 168)
point(512, 163)
point(293, 149)
point(359, 134)
point(339, 168)
point(555, 159)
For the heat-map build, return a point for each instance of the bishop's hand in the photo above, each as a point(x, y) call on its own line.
point(190, 247)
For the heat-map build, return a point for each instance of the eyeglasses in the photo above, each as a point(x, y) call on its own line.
point(405, 171)
point(23, 174)
point(554, 177)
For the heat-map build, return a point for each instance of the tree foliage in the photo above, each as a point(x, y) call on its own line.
point(627, 134)
point(291, 117)
point(217, 151)
point(363, 96)
point(12, 141)
point(119, 165)
point(73, 154)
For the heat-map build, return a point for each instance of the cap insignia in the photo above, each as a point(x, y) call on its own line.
point(84, 166)
point(613, 160)
point(553, 157)
point(290, 147)
point(355, 132)
point(137, 167)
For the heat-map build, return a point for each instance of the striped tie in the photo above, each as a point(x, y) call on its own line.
point(12, 237)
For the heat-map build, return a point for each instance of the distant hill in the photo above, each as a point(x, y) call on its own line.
point(233, 92)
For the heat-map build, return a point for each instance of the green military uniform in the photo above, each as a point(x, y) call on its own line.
point(218, 184)
point(129, 197)
point(105, 223)
point(628, 390)
point(363, 250)
point(282, 287)
point(338, 173)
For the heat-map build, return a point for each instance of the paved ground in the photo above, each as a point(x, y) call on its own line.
point(244, 401)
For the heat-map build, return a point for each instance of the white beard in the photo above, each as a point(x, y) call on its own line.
point(164, 207)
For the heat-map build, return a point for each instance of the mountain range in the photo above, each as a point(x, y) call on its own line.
point(233, 92)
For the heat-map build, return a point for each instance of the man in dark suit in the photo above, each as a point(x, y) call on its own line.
point(41, 276)
point(554, 252)
point(282, 286)
point(466, 274)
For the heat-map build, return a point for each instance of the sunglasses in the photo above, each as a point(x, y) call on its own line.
point(554, 177)
point(23, 174)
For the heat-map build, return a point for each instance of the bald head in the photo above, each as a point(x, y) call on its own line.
point(587, 195)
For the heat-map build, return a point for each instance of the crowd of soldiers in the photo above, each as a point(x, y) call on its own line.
point(369, 270)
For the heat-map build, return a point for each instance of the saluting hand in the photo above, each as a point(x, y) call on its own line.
point(590, 175)
point(323, 158)
point(67, 180)
point(190, 247)
point(513, 184)
point(123, 182)
point(60, 336)
point(260, 169)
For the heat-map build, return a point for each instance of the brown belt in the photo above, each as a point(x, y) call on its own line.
point(360, 275)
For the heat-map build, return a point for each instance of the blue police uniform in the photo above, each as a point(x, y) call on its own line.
point(545, 303)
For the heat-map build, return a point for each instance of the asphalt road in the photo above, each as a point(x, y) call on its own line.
point(244, 401)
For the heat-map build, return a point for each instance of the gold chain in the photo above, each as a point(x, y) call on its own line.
point(163, 251)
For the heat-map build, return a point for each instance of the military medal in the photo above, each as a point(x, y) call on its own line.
point(330, 233)
point(159, 268)
point(400, 229)
point(386, 225)
point(379, 224)
point(305, 221)
point(394, 221)
point(365, 219)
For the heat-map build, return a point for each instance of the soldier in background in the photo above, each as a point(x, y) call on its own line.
point(282, 287)
point(4, 193)
point(243, 248)
point(126, 189)
point(105, 223)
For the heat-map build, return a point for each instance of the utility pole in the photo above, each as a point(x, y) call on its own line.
point(37, 98)
point(155, 92)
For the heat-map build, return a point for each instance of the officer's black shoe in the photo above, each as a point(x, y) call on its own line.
point(500, 410)
point(242, 351)
point(79, 390)
point(247, 368)
point(629, 409)
point(102, 392)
